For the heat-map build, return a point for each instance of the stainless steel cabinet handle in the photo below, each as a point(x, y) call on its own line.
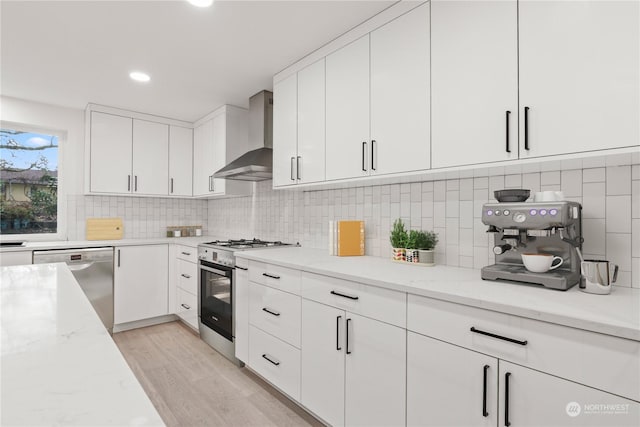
point(210, 176)
point(118, 257)
point(135, 183)
point(171, 185)
point(298, 167)
point(128, 182)
point(275, 362)
point(186, 276)
point(293, 178)
point(188, 307)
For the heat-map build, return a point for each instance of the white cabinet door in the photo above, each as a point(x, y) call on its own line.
point(141, 282)
point(180, 161)
point(310, 163)
point(322, 354)
point(347, 101)
point(202, 158)
point(241, 312)
point(474, 81)
point(448, 385)
point(579, 75)
point(400, 98)
point(15, 258)
point(219, 159)
point(285, 118)
point(111, 153)
point(150, 158)
point(532, 398)
point(375, 372)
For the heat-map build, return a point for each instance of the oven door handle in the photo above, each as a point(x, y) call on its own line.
point(215, 271)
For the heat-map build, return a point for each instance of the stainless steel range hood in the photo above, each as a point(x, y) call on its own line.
point(257, 164)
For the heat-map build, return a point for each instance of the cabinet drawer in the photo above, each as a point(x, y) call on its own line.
point(275, 312)
point(597, 360)
point(377, 303)
point(187, 253)
point(188, 276)
point(276, 361)
point(187, 308)
point(285, 279)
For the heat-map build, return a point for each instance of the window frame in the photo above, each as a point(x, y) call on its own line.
point(61, 217)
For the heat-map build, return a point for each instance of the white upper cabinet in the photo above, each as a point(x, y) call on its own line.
point(474, 86)
point(219, 138)
point(110, 153)
point(579, 76)
point(310, 161)
point(347, 105)
point(285, 117)
point(150, 158)
point(400, 122)
point(180, 161)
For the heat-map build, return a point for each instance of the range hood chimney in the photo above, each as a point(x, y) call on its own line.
point(255, 165)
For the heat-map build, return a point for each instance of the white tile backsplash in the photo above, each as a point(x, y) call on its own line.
point(449, 207)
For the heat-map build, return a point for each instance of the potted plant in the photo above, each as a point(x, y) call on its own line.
point(398, 240)
point(413, 239)
point(425, 242)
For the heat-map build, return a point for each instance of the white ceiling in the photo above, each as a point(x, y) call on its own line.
point(74, 52)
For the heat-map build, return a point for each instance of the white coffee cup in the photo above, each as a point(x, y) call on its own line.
point(540, 263)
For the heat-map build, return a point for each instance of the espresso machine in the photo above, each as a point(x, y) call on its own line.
point(553, 228)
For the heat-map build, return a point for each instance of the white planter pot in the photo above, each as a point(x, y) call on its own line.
point(412, 255)
point(427, 257)
point(399, 254)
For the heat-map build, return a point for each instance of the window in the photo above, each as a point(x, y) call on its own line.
point(28, 182)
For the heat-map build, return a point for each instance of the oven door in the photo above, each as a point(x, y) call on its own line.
point(216, 298)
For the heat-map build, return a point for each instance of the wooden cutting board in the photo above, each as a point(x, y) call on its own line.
point(104, 228)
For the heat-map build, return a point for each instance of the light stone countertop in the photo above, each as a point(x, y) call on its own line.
point(616, 314)
point(59, 366)
point(75, 244)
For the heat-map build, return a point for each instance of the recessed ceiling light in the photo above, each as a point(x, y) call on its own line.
point(201, 3)
point(139, 76)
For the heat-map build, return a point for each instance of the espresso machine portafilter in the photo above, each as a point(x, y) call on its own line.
point(553, 228)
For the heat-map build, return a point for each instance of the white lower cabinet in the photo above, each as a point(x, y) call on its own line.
point(187, 308)
point(353, 367)
point(15, 258)
point(276, 361)
point(186, 286)
point(241, 310)
point(140, 282)
point(532, 398)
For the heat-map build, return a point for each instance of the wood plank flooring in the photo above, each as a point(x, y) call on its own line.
point(190, 384)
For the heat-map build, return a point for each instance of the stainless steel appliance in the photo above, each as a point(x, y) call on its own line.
point(216, 287)
point(93, 269)
point(546, 227)
point(257, 164)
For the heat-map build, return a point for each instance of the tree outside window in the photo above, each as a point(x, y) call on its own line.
point(28, 182)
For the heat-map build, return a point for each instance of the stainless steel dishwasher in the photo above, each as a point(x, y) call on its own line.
point(93, 269)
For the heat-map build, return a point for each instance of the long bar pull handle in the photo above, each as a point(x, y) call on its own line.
point(293, 178)
point(484, 391)
point(186, 276)
point(171, 185)
point(186, 253)
point(275, 313)
point(373, 153)
point(135, 183)
point(118, 257)
point(298, 167)
point(353, 297)
point(507, 423)
point(187, 307)
point(500, 337)
point(242, 268)
point(507, 114)
point(128, 182)
point(270, 276)
point(526, 128)
point(338, 333)
point(364, 153)
point(347, 327)
point(275, 362)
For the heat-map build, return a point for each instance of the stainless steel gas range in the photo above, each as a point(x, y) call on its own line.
point(216, 287)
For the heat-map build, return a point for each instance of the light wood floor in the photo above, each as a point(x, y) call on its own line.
point(190, 384)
